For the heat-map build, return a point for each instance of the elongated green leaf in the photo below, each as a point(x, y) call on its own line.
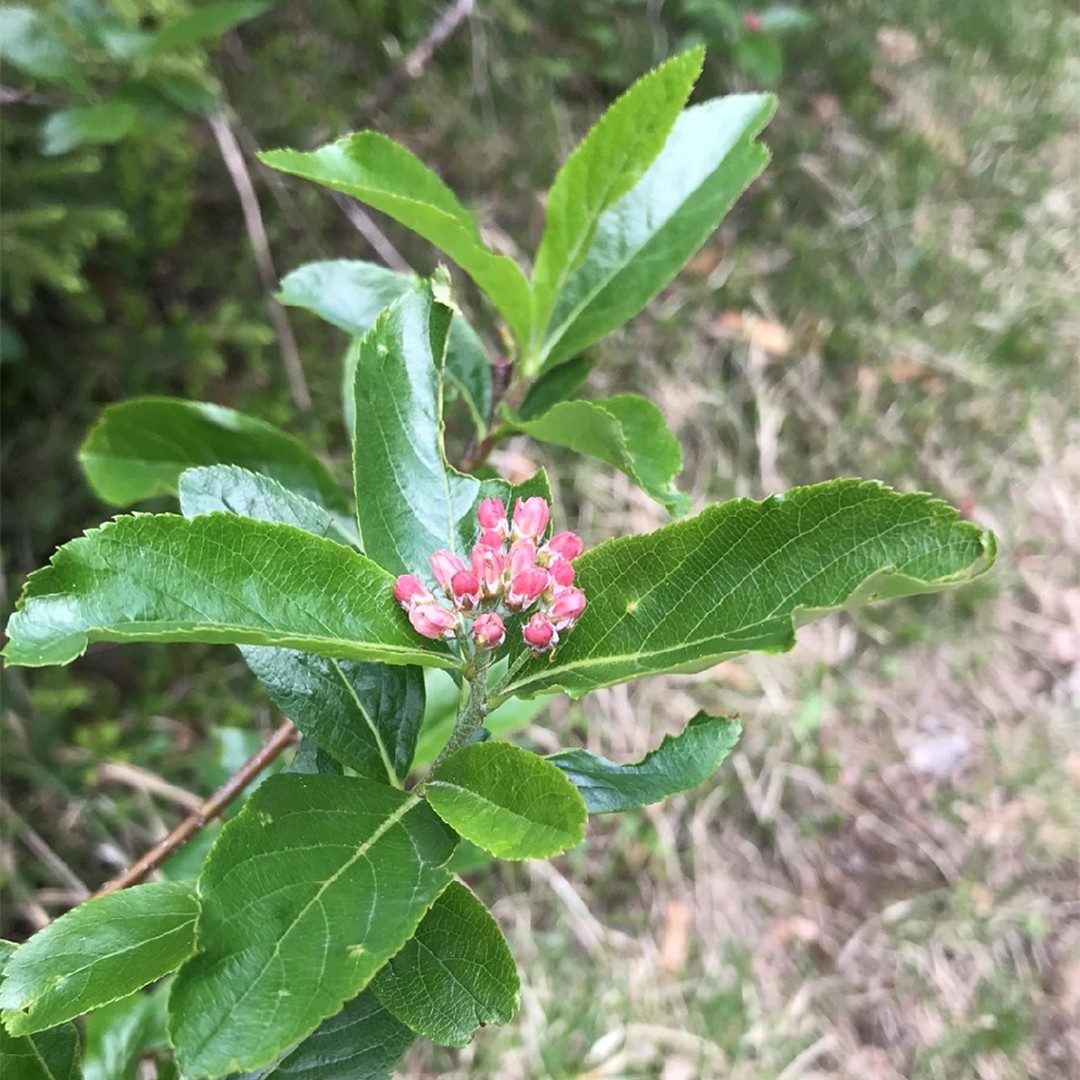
point(217, 579)
point(605, 166)
point(377, 171)
point(410, 501)
point(556, 385)
point(679, 763)
point(737, 577)
point(30, 43)
point(508, 801)
point(626, 431)
point(362, 1042)
point(350, 294)
point(98, 952)
point(139, 448)
point(206, 21)
point(367, 715)
point(48, 1055)
point(119, 1034)
point(643, 241)
point(83, 125)
point(454, 974)
point(306, 894)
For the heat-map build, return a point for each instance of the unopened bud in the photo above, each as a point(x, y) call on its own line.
point(465, 589)
point(567, 544)
point(566, 608)
point(444, 565)
point(522, 557)
point(433, 621)
point(410, 590)
point(540, 635)
point(488, 566)
point(492, 516)
point(562, 573)
point(531, 517)
point(489, 632)
point(525, 588)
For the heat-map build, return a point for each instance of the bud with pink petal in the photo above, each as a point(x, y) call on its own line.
point(465, 590)
point(567, 544)
point(488, 631)
point(492, 539)
point(433, 621)
point(492, 517)
point(522, 557)
point(562, 574)
point(410, 590)
point(444, 565)
point(488, 566)
point(525, 588)
point(531, 517)
point(566, 608)
point(539, 633)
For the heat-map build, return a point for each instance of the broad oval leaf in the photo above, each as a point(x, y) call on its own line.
point(626, 431)
point(604, 167)
point(47, 1055)
point(679, 763)
point(139, 448)
point(98, 952)
point(362, 1042)
point(306, 894)
point(377, 171)
point(454, 974)
point(82, 125)
point(217, 579)
point(508, 801)
point(410, 501)
point(367, 715)
point(643, 241)
point(118, 1035)
point(736, 577)
point(29, 42)
point(351, 293)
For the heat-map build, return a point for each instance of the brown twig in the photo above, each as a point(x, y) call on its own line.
point(284, 737)
point(413, 65)
point(233, 157)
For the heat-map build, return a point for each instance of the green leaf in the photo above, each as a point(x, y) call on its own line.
point(508, 801)
point(367, 715)
point(556, 385)
point(82, 125)
point(643, 241)
point(786, 19)
point(362, 1042)
point(454, 974)
point(738, 576)
point(377, 171)
point(217, 579)
point(189, 93)
point(48, 1055)
point(626, 431)
point(309, 890)
point(607, 163)
point(119, 1034)
point(350, 294)
point(409, 501)
point(311, 759)
point(760, 56)
point(139, 448)
point(206, 21)
point(679, 763)
point(98, 952)
point(28, 42)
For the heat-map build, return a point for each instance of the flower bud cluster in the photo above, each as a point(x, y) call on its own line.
point(510, 570)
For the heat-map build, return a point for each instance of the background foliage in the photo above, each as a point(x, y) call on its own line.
point(881, 885)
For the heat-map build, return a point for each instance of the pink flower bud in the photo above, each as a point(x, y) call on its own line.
point(522, 557)
point(492, 539)
point(562, 574)
point(752, 23)
point(567, 544)
point(540, 634)
point(566, 608)
point(444, 565)
point(410, 590)
point(488, 632)
point(433, 621)
point(465, 589)
point(487, 565)
point(492, 516)
point(531, 517)
point(526, 587)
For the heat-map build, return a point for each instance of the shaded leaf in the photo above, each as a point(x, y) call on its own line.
point(555, 385)
point(47, 1055)
point(643, 241)
point(82, 125)
point(206, 21)
point(626, 431)
point(98, 952)
point(679, 763)
point(119, 1034)
point(310, 759)
point(507, 800)
point(217, 579)
point(454, 974)
point(306, 894)
point(377, 171)
point(607, 163)
point(737, 577)
point(30, 43)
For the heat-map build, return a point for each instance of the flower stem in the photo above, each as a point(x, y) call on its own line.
point(471, 717)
